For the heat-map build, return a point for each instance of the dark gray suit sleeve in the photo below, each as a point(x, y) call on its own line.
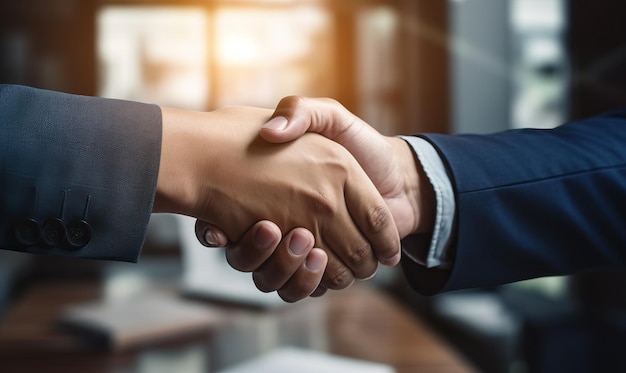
point(77, 174)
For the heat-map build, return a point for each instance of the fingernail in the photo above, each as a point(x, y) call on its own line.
point(210, 238)
point(298, 245)
point(315, 262)
point(276, 124)
point(264, 238)
point(370, 276)
point(392, 261)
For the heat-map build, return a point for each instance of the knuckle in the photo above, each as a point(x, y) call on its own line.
point(341, 278)
point(292, 101)
point(330, 102)
point(322, 202)
point(377, 218)
point(359, 255)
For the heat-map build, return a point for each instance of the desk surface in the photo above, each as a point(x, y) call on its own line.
point(361, 322)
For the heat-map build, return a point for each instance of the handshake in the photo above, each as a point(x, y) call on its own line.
point(307, 198)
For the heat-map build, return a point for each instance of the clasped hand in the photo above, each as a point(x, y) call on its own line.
point(313, 189)
point(388, 161)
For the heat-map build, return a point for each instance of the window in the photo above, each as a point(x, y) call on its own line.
point(383, 60)
point(199, 58)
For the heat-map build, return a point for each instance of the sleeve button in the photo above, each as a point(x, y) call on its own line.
point(78, 233)
point(53, 231)
point(27, 232)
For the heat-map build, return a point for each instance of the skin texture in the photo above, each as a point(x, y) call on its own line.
point(388, 161)
point(214, 166)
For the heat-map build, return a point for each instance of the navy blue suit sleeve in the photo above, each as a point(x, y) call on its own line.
point(534, 203)
point(70, 159)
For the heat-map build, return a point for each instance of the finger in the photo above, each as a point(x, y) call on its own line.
point(319, 292)
point(307, 278)
point(292, 118)
point(371, 214)
point(255, 247)
point(289, 256)
point(337, 274)
point(210, 235)
point(346, 221)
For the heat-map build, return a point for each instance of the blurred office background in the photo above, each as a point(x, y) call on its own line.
point(404, 66)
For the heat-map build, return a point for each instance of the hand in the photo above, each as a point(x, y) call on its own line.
point(294, 274)
point(216, 168)
point(388, 161)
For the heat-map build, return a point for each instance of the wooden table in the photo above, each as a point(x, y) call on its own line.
point(361, 322)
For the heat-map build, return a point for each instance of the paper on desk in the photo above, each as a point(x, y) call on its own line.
point(127, 323)
point(292, 359)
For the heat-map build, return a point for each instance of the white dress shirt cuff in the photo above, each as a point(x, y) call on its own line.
point(437, 175)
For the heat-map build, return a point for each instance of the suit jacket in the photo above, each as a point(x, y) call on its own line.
point(532, 203)
point(77, 174)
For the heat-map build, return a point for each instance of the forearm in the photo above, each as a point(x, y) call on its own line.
point(77, 158)
point(534, 203)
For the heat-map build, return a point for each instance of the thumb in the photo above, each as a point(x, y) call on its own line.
point(296, 115)
point(280, 130)
point(210, 235)
point(292, 118)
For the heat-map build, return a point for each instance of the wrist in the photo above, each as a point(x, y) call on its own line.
point(175, 191)
point(419, 192)
point(426, 200)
